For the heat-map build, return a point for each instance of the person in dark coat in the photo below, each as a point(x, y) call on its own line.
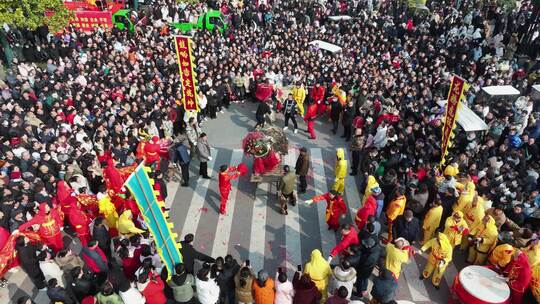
point(189, 254)
point(101, 234)
point(335, 113)
point(182, 149)
point(384, 287)
point(305, 291)
point(347, 119)
point(302, 168)
point(80, 284)
point(58, 294)
point(227, 270)
point(262, 109)
point(29, 261)
point(406, 226)
point(368, 257)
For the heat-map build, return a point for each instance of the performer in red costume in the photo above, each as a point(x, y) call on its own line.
point(50, 222)
point(225, 177)
point(80, 222)
point(65, 196)
point(151, 152)
point(317, 94)
point(519, 275)
point(369, 208)
point(349, 236)
point(113, 177)
point(335, 207)
point(311, 114)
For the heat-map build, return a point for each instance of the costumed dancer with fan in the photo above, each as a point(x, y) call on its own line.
point(226, 175)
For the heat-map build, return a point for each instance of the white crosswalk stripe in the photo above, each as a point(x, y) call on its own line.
point(258, 222)
point(351, 190)
point(223, 227)
point(328, 239)
point(197, 202)
point(292, 226)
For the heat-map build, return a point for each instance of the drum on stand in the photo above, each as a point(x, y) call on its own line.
point(479, 285)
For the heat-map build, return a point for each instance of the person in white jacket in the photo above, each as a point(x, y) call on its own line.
point(207, 288)
point(130, 294)
point(343, 275)
point(284, 288)
point(50, 269)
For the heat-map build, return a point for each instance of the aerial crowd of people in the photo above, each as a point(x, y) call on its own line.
point(77, 105)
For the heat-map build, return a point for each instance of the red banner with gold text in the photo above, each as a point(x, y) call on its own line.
point(452, 105)
point(187, 72)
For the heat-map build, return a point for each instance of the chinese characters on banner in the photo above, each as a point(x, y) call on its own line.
point(186, 66)
point(89, 20)
point(452, 105)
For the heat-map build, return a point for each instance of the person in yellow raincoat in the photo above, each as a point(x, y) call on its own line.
point(340, 171)
point(432, 220)
point(126, 226)
point(455, 228)
point(465, 184)
point(483, 239)
point(395, 209)
point(474, 213)
point(107, 209)
point(533, 252)
point(371, 183)
point(439, 258)
point(501, 255)
point(397, 254)
point(319, 271)
point(299, 95)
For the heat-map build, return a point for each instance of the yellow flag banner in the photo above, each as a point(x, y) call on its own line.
point(186, 66)
point(452, 105)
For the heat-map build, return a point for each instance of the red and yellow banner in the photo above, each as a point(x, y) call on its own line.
point(187, 72)
point(452, 105)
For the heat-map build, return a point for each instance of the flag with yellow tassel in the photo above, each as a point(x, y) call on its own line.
point(455, 94)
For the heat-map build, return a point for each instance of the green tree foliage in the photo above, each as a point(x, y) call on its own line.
point(31, 14)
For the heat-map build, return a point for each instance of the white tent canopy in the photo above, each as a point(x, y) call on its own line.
point(326, 46)
point(341, 17)
point(500, 90)
point(467, 119)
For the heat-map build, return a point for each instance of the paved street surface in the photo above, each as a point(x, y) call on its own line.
point(254, 229)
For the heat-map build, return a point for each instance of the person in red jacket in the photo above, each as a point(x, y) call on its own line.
point(519, 275)
point(80, 222)
point(349, 237)
point(94, 257)
point(311, 114)
point(49, 224)
point(224, 182)
point(335, 208)
point(317, 95)
point(152, 287)
point(369, 208)
point(113, 177)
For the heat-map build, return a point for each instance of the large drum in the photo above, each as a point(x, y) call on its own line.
point(479, 285)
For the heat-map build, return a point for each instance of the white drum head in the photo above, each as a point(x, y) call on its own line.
point(484, 284)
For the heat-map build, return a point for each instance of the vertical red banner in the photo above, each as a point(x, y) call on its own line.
point(187, 72)
point(452, 105)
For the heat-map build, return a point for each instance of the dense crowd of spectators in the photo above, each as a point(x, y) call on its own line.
point(72, 100)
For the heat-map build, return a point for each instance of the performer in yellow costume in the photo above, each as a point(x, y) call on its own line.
point(395, 209)
point(319, 271)
point(474, 213)
point(483, 239)
point(299, 95)
point(501, 255)
point(432, 220)
point(396, 255)
point(371, 183)
point(340, 171)
point(535, 282)
point(126, 226)
point(533, 252)
point(465, 183)
point(107, 209)
point(455, 228)
point(439, 258)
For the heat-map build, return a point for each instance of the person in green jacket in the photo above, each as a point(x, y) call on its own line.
point(182, 285)
point(287, 183)
point(107, 295)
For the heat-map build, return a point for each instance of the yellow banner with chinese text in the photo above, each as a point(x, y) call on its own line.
point(453, 103)
point(186, 66)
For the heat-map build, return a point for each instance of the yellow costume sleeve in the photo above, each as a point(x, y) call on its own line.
point(433, 217)
point(396, 208)
point(428, 245)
